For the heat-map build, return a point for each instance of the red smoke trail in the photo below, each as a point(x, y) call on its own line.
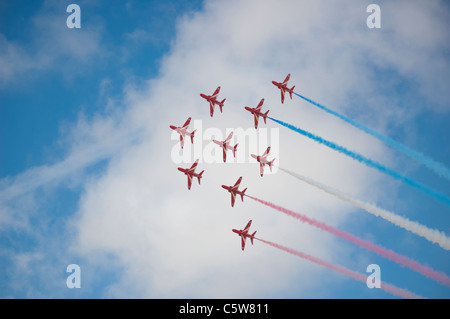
point(355, 275)
point(404, 261)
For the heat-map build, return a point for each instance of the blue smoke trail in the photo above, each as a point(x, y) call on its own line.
point(367, 161)
point(419, 157)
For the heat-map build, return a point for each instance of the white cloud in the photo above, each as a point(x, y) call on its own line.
point(172, 242)
point(178, 243)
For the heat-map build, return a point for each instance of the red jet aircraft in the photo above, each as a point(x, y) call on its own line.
point(212, 99)
point(283, 87)
point(244, 234)
point(257, 112)
point(183, 131)
point(225, 146)
point(263, 160)
point(190, 172)
point(233, 190)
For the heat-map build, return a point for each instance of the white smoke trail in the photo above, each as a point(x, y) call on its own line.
point(433, 235)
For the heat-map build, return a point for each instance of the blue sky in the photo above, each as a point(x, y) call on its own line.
point(86, 174)
point(59, 84)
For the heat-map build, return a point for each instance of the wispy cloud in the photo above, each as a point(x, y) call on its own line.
point(171, 242)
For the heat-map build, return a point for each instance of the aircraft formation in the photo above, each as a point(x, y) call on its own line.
point(257, 112)
point(432, 235)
